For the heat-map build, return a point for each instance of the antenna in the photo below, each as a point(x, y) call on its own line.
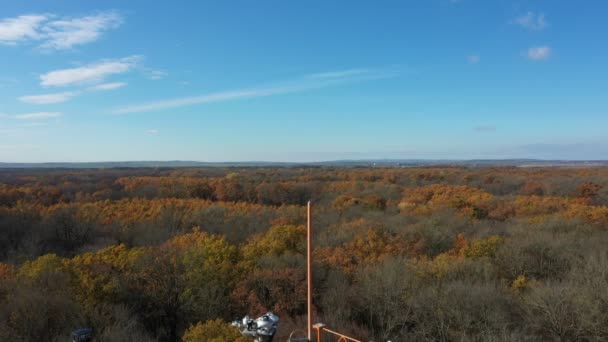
point(319, 327)
point(309, 270)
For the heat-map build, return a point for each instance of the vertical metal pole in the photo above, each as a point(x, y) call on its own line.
point(318, 328)
point(309, 270)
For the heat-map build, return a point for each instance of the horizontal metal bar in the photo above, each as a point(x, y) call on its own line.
point(342, 336)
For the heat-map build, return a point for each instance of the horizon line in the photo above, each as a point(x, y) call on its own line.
point(316, 161)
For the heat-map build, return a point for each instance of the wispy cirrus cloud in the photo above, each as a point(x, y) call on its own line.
point(38, 116)
point(87, 74)
point(108, 86)
point(49, 98)
point(307, 82)
point(207, 98)
point(57, 33)
point(155, 75)
point(539, 53)
point(152, 131)
point(68, 95)
point(338, 74)
point(531, 21)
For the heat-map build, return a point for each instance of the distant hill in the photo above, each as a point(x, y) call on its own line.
point(126, 164)
point(332, 163)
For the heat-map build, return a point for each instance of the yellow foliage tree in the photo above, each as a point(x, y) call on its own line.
point(40, 266)
point(278, 241)
point(425, 199)
point(483, 248)
point(520, 284)
point(213, 331)
point(98, 275)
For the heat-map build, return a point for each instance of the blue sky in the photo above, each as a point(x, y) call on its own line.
point(302, 80)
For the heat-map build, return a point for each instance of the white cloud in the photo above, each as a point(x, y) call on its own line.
point(68, 95)
point(152, 131)
point(91, 73)
point(539, 53)
point(155, 74)
point(40, 115)
point(68, 32)
point(208, 98)
point(308, 82)
point(531, 21)
point(14, 30)
point(108, 86)
point(56, 33)
point(473, 59)
point(339, 74)
point(49, 98)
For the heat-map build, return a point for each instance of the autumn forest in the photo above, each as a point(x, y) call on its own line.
point(402, 254)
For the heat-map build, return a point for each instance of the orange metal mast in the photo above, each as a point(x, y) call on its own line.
point(319, 327)
point(309, 270)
